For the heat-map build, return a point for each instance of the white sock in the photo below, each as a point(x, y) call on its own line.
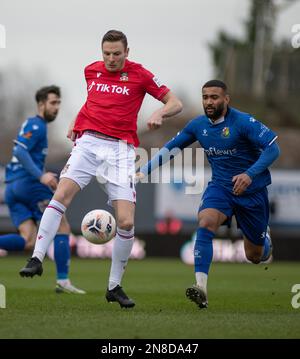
point(201, 279)
point(48, 228)
point(63, 281)
point(123, 243)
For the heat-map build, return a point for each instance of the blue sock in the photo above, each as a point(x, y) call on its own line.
point(12, 242)
point(267, 249)
point(203, 251)
point(62, 255)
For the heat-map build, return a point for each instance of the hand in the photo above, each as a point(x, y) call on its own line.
point(241, 183)
point(71, 134)
point(155, 120)
point(49, 179)
point(139, 176)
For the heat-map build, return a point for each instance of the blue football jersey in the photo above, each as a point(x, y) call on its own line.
point(232, 146)
point(33, 137)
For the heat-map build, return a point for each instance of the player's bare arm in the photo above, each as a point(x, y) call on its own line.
point(241, 183)
point(71, 135)
point(171, 108)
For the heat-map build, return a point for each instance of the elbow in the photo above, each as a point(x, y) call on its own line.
point(174, 103)
point(179, 105)
point(17, 151)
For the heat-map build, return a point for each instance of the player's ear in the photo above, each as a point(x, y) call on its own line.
point(127, 51)
point(227, 99)
point(40, 105)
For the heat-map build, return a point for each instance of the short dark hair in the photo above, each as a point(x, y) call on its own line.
point(115, 35)
point(42, 94)
point(215, 83)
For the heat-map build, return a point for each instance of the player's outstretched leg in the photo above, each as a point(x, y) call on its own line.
point(32, 268)
point(118, 295)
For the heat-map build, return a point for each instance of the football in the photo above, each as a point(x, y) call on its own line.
point(98, 226)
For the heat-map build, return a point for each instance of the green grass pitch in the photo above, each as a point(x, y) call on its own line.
point(245, 301)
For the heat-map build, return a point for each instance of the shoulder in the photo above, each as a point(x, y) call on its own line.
point(241, 119)
point(139, 69)
point(195, 123)
point(239, 115)
point(94, 66)
point(37, 124)
point(134, 66)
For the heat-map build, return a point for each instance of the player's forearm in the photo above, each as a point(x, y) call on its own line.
point(26, 161)
point(267, 157)
point(172, 106)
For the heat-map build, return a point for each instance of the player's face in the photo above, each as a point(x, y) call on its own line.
point(50, 107)
point(215, 102)
point(114, 55)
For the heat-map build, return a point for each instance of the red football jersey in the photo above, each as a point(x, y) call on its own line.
point(115, 98)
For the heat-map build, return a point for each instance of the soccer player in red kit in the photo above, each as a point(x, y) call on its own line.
point(105, 136)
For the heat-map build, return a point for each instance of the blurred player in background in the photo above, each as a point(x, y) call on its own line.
point(239, 149)
point(29, 188)
point(106, 134)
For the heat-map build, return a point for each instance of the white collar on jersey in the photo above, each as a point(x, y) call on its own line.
point(220, 120)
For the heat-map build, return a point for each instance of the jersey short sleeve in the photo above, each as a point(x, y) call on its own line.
point(258, 133)
point(30, 133)
point(152, 84)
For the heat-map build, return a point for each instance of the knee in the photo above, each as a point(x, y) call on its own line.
point(62, 197)
point(208, 223)
point(126, 224)
point(255, 258)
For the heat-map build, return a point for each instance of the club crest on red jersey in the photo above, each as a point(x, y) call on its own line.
point(124, 76)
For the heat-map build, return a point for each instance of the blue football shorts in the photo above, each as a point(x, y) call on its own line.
point(251, 210)
point(26, 198)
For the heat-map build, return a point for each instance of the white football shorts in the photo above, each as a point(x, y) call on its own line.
point(111, 162)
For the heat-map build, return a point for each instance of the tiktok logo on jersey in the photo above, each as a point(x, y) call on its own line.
point(121, 90)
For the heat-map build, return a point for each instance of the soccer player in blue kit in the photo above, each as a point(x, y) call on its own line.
point(239, 150)
point(29, 189)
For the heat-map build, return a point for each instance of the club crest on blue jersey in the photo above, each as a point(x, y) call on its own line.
point(27, 135)
point(204, 132)
point(225, 132)
point(124, 76)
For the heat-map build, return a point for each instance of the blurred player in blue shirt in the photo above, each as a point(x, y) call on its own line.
point(239, 149)
point(29, 188)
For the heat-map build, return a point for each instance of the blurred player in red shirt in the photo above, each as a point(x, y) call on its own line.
point(105, 135)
